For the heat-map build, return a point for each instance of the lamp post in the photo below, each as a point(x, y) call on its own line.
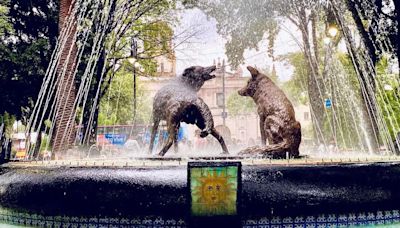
point(224, 114)
point(134, 61)
point(331, 32)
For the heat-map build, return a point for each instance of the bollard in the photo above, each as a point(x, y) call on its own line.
point(126, 164)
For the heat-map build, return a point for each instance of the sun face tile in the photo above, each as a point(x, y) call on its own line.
point(214, 191)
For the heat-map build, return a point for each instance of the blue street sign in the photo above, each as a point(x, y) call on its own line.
point(328, 103)
point(116, 139)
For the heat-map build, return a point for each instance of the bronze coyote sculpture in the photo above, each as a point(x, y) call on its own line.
point(277, 118)
point(178, 102)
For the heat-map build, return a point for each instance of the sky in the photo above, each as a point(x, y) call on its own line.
point(208, 45)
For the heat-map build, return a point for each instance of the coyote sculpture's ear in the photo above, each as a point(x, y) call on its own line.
point(253, 71)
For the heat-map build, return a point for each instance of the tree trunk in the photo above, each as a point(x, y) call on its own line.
point(314, 84)
point(2, 143)
point(91, 137)
point(395, 38)
point(38, 143)
point(64, 134)
point(368, 43)
point(5, 145)
point(314, 35)
point(365, 76)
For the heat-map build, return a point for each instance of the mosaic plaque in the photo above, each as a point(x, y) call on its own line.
point(214, 188)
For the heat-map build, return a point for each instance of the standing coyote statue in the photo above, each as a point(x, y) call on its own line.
point(178, 102)
point(277, 118)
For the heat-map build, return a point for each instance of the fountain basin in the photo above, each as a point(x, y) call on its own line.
point(268, 190)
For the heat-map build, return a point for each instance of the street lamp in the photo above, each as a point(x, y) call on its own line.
point(224, 114)
point(331, 25)
point(133, 61)
point(332, 31)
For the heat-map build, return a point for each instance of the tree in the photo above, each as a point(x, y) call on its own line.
point(28, 32)
point(66, 91)
point(383, 21)
point(25, 52)
point(261, 19)
point(5, 25)
point(116, 106)
point(389, 100)
point(296, 87)
point(239, 105)
point(97, 29)
point(364, 59)
point(155, 38)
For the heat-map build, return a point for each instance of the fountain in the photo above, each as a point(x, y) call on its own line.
point(346, 172)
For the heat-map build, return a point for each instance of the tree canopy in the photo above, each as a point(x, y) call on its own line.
point(28, 32)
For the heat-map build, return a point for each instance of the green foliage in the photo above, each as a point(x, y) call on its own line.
point(152, 31)
point(348, 67)
point(296, 87)
point(237, 105)
point(389, 99)
point(45, 143)
point(8, 121)
point(243, 24)
point(116, 107)
point(154, 39)
point(5, 26)
point(25, 52)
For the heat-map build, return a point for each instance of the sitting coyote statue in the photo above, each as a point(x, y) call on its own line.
point(277, 118)
point(178, 102)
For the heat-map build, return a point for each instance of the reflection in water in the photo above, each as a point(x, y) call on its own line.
point(11, 218)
